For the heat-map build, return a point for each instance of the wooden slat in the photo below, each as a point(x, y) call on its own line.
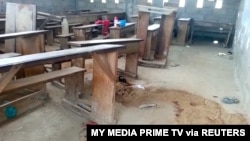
point(106, 41)
point(42, 78)
point(87, 26)
point(21, 34)
point(126, 26)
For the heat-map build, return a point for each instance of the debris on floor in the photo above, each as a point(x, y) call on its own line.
point(230, 100)
point(147, 106)
point(222, 54)
point(175, 65)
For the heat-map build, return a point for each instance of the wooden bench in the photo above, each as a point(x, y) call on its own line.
point(81, 31)
point(104, 77)
point(131, 52)
point(122, 32)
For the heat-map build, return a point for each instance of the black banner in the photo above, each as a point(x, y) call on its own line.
point(114, 132)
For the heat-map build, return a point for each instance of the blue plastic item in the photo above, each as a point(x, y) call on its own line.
point(122, 23)
point(10, 112)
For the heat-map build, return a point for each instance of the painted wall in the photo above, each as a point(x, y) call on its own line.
point(242, 52)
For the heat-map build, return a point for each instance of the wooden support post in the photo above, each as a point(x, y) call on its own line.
point(147, 51)
point(50, 38)
point(141, 32)
point(103, 96)
point(165, 36)
point(74, 86)
point(80, 34)
point(183, 29)
point(115, 33)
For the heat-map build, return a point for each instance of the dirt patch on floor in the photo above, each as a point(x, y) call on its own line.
point(187, 108)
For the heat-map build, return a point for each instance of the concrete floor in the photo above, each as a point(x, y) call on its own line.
point(201, 72)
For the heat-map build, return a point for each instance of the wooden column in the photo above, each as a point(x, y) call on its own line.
point(141, 32)
point(104, 79)
point(165, 36)
point(183, 29)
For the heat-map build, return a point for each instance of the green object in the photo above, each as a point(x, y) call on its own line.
point(10, 112)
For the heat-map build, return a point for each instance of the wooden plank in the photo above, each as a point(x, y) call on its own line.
point(10, 27)
point(103, 96)
point(21, 34)
point(25, 17)
point(157, 10)
point(42, 78)
point(87, 26)
point(8, 55)
point(106, 41)
point(141, 32)
point(57, 56)
point(23, 104)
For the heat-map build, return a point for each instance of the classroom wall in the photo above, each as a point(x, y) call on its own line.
point(242, 52)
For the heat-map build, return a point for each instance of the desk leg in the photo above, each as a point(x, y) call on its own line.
point(64, 43)
point(80, 35)
point(146, 55)
point(165, 36)
point(74, 86)
point(103, 96)
point(50, 37)
point(115, 33)
point(131, 66)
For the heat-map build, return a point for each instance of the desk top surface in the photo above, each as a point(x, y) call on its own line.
point(87, 26)
point(40, 58)
point(127, 25)
point(105, 41)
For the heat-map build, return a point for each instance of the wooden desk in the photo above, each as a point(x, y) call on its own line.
point(102, 106)
point(131, 52)
point(81, 31)
point(151, 43)
point(121, 32)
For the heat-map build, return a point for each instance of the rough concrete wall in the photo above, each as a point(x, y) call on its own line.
point(51, 6)
point(242, 52)
point(110, 6)
point(225, 15)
